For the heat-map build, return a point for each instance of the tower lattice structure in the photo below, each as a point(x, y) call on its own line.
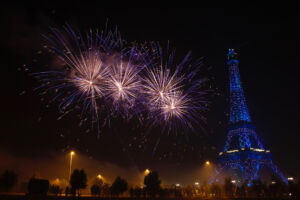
point(243, 150)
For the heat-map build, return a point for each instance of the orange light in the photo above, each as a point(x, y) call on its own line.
point(207, 163)
point(146, 172)
point(99, 176)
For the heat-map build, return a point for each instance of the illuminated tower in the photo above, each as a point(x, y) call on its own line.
point(243, 150)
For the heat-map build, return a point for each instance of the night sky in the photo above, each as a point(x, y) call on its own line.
point(267, 40)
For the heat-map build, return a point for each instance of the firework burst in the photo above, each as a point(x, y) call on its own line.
point(175, 99)
point(160, 85)
point(82, 78)
point(99, 74)
point(123, 85)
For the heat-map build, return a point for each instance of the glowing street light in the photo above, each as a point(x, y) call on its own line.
point(290, 178)
point(207, 163)
point(177, 185)
point(196, 183)
point(99, 177)
point(71, 156)
point(233, 181)
point(146, 172)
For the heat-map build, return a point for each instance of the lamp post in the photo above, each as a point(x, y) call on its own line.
point(71, 156)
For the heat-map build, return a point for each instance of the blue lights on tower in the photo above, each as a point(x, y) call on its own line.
point(238, 107)
point(243, 150)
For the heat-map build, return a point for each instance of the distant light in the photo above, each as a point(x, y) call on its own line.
point(72, 153)
point(232, 151)
point(290, 194)
point(57, 181)
point(290, 178)
point(259, 150)
point(273, 182)
point(99, 176)
point(233, 181)
point(146, 172)
point(196, 183)
point(207, 163)
point(177, 185)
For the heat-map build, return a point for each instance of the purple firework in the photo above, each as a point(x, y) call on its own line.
point(84, 76)
point(174, 93)
point(99, 73)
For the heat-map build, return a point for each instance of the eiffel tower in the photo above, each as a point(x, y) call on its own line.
point(243, 150)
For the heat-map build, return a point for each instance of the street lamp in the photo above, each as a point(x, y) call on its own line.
point(146, 172)
point(207, 163)
point(71, 156)
point(99, 176)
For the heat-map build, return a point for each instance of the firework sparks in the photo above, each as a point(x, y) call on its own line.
point(95, 74)
point(123, 86)
point(124, 82)
point(174, 99)
point(160, 85)
point(85, 72)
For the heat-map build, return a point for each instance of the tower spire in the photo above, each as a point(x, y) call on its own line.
point(238, 107)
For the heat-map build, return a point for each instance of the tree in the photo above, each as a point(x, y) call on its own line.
point(7, 180)
point(38, 186)
point(106, 190)
point(95, 190)
point(78, 181)
point(67, 191)
point(215, 189)
point(55, 189)
point(228, 187)
point(119, 186)
point(152, 183)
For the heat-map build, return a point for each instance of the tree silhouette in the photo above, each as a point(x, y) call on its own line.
point(7, 180)
point(38, 186)
point(97, 187)
point(119, 186)
point(55, 189)
point(67, 191)
point(95, 190)
point(106, 190)
point(152, 183)
point(215, 189)
point(78, 181)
